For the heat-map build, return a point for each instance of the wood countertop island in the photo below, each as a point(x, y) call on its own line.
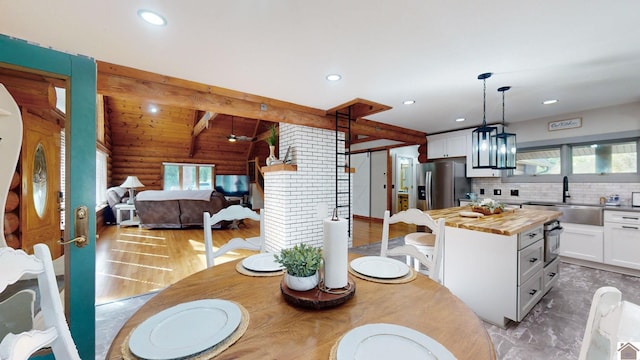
point(495, 263)
point(510, 222)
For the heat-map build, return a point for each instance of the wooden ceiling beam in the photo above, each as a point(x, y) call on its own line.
point(203, 123)
point(122, 82)
point(192, 143)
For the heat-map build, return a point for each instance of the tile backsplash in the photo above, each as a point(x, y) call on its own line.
point(583, 193)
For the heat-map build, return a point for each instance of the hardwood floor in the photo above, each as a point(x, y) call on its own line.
point(132, 261)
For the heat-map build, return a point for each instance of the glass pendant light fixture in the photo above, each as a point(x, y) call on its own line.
point(504, 143)
point(483, 153)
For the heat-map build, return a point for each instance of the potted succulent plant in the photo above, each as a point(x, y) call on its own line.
point(301, 263)
point(272, 139)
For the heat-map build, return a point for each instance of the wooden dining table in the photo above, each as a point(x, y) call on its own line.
point(279, 330)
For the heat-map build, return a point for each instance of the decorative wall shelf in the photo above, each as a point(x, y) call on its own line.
point(280, 167)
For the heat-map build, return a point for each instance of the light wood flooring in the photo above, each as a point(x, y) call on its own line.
point(132, 261)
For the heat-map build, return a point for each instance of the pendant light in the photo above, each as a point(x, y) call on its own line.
point(505, 143)
point(483, 153)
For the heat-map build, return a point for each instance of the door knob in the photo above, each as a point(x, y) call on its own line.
point(81, 228)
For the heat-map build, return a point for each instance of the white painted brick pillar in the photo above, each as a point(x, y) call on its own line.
point(291, 198)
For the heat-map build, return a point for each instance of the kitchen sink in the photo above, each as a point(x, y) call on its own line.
point(572, 213)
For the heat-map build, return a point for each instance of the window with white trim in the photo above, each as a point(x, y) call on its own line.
point(101, 178)
point(187, 176)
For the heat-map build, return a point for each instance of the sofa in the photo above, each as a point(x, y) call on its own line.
point(176, 209)
point(115, 195)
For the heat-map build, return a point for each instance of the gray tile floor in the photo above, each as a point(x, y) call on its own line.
point(552, 330)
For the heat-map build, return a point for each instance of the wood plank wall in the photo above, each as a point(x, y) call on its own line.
point(141, 140)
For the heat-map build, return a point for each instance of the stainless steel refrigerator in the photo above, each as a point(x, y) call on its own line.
point(441, 183)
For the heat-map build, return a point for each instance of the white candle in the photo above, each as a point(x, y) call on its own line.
point(334, 252)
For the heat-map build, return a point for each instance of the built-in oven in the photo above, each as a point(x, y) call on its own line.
point(552, 231)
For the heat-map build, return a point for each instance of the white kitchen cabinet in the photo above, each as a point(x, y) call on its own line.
point(622, 239)
point(582, 242)
point(452, 144)
point(499, 277)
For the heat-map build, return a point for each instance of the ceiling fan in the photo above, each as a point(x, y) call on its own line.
point(233, 137)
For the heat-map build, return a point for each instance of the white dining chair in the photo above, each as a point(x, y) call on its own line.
point(13, 265)
point(611, 325)
point(232, 213)
point(429, 256)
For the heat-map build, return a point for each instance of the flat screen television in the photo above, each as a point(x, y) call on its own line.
point(232, 185)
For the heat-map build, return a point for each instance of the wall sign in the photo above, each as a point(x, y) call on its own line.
point(565, 124)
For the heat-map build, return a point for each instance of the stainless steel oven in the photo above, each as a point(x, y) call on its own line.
point(552, 231)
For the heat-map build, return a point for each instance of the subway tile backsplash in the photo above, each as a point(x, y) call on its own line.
point(583, 193)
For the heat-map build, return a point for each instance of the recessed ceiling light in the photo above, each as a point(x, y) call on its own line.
point(460, 119)
point(152, 18)
point(334, 77)
point(153, 109)
point(409, 102)
point(550, 101)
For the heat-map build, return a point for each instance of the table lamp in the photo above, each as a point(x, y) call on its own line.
point(131, 183)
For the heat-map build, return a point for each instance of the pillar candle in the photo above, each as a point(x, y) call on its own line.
point(334, 251)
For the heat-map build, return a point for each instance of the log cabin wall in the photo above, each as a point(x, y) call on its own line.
point(142, 136)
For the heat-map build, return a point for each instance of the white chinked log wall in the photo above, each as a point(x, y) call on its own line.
point(292, 198)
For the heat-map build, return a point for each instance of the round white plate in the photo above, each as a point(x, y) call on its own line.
point(185, 329)
point(388, 341)
point(264, 262)
point(471, 214)
point(380, 267)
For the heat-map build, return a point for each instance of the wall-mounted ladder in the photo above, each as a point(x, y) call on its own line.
point(343, 170)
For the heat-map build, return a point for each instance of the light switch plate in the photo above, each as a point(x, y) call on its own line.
point(635, 199)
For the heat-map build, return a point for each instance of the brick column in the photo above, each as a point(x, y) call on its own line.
point(291, 198)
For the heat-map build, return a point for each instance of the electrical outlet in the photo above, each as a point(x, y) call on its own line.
point(481, 191)
point(497, 192)
point(514, 192)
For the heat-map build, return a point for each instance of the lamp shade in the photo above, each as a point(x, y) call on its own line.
point(131, 182)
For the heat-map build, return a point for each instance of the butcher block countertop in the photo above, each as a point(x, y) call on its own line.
point(510, 222)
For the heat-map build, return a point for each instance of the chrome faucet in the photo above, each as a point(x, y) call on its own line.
point(565, 189)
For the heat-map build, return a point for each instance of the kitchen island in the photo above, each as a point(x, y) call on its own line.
point(495, 263)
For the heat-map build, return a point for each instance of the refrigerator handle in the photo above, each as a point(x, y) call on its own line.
point(427, 183)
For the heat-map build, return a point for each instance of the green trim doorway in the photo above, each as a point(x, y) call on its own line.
point(80, 74)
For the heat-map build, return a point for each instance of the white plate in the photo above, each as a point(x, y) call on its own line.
point(388, 341)
point(185, 329)
point(264, 262)
point(471, 214)
point(380, 267)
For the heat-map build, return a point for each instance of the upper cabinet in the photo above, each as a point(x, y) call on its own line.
point(453, 144)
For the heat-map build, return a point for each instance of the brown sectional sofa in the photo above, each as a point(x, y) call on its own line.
point(176, 208)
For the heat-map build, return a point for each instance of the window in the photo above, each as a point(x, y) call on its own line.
point(101, 178)
point(538, 162)
point(603, 158)
point(187, 176)
point(615, 159)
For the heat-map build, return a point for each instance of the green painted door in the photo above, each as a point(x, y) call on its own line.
point(80, 73)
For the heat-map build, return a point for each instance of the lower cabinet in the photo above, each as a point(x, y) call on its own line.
point(622, 239)
point(551, 273)
point(529, 294)
point(499, 277)
point(582, 242)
